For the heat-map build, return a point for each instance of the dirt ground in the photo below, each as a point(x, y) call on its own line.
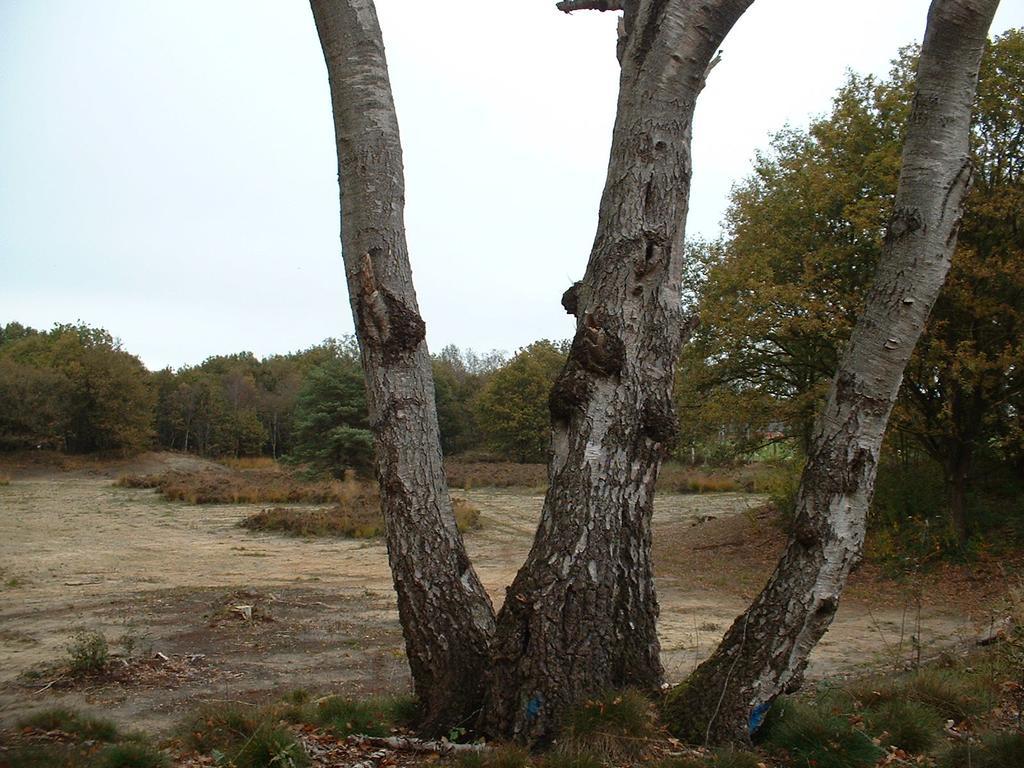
point(165, 581)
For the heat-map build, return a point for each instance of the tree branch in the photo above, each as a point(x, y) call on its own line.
point(568, 6)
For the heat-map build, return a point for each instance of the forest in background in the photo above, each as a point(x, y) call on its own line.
point(776, 296)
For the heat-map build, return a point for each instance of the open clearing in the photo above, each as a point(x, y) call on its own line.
point(78, 553)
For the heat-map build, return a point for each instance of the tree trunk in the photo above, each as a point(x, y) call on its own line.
point(446, 615)
point(765, 651)
point(580, 616)
point(958, 470)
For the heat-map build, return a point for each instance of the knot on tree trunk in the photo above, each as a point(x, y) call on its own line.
point(571, 299)
point(388, 323)
point(570, 392)
point(597, 348)
point(659, 422)
point(904, 221)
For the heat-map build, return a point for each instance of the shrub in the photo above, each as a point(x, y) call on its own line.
point(818, 738)
point(88, 653)
point(616, 725)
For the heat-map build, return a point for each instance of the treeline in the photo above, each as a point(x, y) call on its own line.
point(74, 388)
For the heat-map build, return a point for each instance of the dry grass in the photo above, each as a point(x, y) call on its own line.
point(5, 480)
point(250, 462)
point(496, 474)
point(673, 478)
point(358, 518)
point(238, 487)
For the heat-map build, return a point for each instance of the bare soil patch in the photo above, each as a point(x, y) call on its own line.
point(171, 578)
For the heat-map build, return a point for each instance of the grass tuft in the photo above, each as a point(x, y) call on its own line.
point(131, 755)
point(1000, 750)
point(72, 723)
point(617, 725)
point(497, 756)
point(375, 717)
point(910, 725)
point(953, 694)
point(242, 736)
point(811, 736)
point(735, 758)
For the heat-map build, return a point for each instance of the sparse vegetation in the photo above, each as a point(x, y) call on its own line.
point(359, 519)
point(239, 487)
point(65, 738)
point(131, 755)
point(997, 750)
point(72, 723)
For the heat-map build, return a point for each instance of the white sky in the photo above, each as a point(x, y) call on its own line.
point(167, 168)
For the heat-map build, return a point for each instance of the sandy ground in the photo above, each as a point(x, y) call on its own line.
point(164, 577)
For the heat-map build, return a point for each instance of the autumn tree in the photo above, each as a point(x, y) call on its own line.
point(804, 236)
point(766, 649)
point(512, 407)
point(98, 396)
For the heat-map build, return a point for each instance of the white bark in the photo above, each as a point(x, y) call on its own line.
point(446, 616)
point(580, 616)
point(767, 648)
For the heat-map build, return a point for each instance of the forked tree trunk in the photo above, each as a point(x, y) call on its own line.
point(580, 616)
point(766, 649)
point(446, 616)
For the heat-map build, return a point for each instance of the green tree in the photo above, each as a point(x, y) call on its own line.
point(332, 432)
point(512, 408)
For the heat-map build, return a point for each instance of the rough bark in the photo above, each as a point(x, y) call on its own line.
point(580, 615)
point(446, 616)
point(765, 651)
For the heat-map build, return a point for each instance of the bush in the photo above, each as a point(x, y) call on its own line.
point(616, 725)
point(88, 653)
point(818, 738)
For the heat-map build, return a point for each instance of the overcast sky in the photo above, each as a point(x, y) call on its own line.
point(167, 167)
